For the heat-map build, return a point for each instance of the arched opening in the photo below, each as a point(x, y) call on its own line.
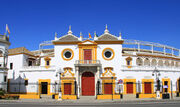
point(166, 63)
point(139, 62)
point(176, 64)
point(172, 63)
point(147, 62)
point(160, 63)
point(153, 62)
point(1, 55)
point(128, 61)
point(88, 84)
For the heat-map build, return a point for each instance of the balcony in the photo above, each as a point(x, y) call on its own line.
point(37, 68)
point(4, 37)
point(87, 63)
point(150, 68)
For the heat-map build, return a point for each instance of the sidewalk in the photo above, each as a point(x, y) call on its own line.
point(84, 101)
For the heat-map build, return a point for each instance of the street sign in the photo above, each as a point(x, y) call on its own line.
point(120, 81)
point(165, 86)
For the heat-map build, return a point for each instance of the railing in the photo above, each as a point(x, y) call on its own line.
point(4, 37)
point(87, 62)
point(150, 68)
point(28, 68)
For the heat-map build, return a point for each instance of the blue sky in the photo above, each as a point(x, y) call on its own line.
point(34, 21)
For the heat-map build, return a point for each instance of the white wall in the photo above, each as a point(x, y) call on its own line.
point(60, 62)
point(18, 62)
point(43, 62)
point(116, 61)
point(33, 78)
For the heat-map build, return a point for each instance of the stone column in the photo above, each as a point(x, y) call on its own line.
point(98, 72)
point(77, 81)
point(97, 77)
point(4, 60)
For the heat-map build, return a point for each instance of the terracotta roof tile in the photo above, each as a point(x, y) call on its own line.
point(107, 37)
point(19, 50)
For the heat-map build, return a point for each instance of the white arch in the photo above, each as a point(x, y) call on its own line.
point(166, 63)
point(153, 62)
point(160, 63)
point(139, 62)
point(147, 62)
point(176, 64)
point(172, 63)
point(2, 51)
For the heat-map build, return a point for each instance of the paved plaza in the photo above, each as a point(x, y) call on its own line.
point(78, 103)
point(90, 101)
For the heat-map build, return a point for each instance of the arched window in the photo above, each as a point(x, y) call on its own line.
point(147, 62)
point(47, 61)
point(139, 62)
point(129, 62)
point(153, 62)
point(160, 63)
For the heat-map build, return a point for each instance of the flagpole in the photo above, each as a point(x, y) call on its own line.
point(6, 30)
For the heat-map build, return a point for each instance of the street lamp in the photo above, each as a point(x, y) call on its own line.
point(112, 87)
point(98, 86)
point(156, 73)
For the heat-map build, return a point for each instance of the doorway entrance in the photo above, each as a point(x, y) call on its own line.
point(44, 87)
point(67, 88)
point(88, 84)
point(129, 87)
point(147, 88)
point(108, 88)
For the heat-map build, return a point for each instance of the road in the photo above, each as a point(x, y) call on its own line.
point(164, 104)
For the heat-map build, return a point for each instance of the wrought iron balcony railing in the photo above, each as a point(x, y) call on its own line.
point(34, 68)
point(87, 63)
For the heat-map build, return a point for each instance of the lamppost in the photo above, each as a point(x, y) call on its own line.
point(60, 93)
point(98, 86)
point(112, 87)
point(156, 73)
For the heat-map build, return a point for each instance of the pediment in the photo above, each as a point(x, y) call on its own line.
point(88, 42)
point(108, 72)
point(67, 72)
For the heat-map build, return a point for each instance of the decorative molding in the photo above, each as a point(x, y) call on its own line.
point(113, 54)
point(72, 54)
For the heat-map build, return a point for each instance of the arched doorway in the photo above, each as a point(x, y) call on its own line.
point(88, 84)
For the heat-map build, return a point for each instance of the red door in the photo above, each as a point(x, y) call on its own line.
point(87, 55)
point(88, 84)
point(67, 88)
point(129, 87)
point(147, 87)
point(108, 88)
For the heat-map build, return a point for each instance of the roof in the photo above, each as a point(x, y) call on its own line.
point(20, 50)
point(107, 37)
point(68, 37)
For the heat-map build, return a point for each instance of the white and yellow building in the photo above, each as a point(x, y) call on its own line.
point(101, 66)
point(4, 44)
